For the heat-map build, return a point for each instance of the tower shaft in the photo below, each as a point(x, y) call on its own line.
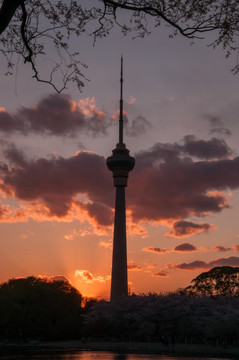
point(120, 163)
point(119, 277)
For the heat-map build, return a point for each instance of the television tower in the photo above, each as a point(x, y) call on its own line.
point(120, 163)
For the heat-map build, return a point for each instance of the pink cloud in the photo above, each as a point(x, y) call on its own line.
point(132, 100)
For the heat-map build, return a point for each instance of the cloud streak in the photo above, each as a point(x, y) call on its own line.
point(198, 264)
point(161, 274)
point(183, 248)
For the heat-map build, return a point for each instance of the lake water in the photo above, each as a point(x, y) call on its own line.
point(93, 355)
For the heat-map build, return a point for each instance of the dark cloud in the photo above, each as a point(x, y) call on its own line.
point(102, 214)
point(230, 261)
point(216, 125)
point(137, 126)
point(57, 115)
point(159, 153)
point(164, 185)
point(155, 250)
point(56, 182)
point(214, 120)
point(197, 264)
point(221, 131)
point(224, 249)
point(8, 123)
point(203, 149)
point(186, 228)
point(161, 274)
point(60, 115)
point(206, 149)
point(185, 247)
point(221, 248)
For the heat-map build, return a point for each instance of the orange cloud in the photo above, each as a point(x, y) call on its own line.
point(88, 277)
point(88, 107)
point(135, 228)
point(26, 234)
point(116, 114)
point(106, 244)
point(79, 233)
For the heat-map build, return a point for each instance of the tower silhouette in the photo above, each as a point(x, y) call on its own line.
point(120, 163)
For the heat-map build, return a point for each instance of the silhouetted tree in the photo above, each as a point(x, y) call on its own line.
point(222, 280)
point(30, 28)
point(36, 308)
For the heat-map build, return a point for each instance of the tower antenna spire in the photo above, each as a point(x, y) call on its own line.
point(121, 116)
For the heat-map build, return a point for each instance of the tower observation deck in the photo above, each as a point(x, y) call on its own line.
point(120, 163)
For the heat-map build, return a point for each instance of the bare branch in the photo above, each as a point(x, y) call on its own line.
point(30, 28)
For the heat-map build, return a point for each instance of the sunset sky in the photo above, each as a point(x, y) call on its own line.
point(57, 196)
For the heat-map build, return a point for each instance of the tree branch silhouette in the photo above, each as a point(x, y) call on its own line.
point(33, 28)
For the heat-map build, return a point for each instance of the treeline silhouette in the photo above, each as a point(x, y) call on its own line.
point(34, 308)
point(205, 312)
